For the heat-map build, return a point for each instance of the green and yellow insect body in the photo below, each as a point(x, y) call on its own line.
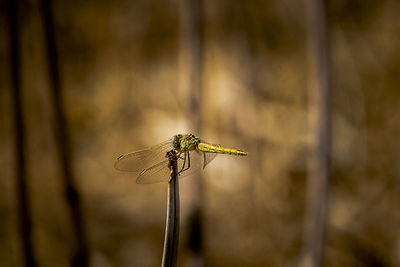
point(189, 142)
point(221, 150)
point(185, 143)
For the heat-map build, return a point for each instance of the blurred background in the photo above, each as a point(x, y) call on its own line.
point(134, 73)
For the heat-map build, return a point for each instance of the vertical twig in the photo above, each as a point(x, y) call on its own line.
point(170, 253)
point(191, 69)
point(191, 58)
point(320, 123)
point(24, 212)
point(80, 257)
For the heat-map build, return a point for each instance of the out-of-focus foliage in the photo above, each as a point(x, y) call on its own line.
point(120, 69)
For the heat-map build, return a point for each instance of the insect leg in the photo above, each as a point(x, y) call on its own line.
point(187, 155)
point(184, 163)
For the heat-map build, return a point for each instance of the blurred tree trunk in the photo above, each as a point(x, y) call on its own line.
point(81, 254)
point(24, 211)
point(320, 122)
point(191, 64)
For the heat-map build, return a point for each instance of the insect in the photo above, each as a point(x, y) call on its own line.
point(151, 165)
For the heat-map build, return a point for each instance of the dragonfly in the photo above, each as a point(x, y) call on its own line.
point(151, 165)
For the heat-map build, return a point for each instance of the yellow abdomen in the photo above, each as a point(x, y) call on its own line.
point(217, 149)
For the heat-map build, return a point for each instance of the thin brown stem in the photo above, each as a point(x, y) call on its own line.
point(81, 253)
point(170, 253)
point(320, 114)
point(24, 212)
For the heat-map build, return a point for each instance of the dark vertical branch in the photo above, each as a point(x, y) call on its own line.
point(191, 58)
point(24, 218)
point(80, 257)
point(170, 253)
point(191, 69)
point(320, 123)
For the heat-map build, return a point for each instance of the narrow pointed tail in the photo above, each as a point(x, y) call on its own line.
point(218, 149)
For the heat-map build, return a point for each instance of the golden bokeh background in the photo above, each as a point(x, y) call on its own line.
point(120, 73)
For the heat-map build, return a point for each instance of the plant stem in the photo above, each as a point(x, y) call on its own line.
point(22, 188)
point(80, 256)
point(320, 119)
point(170, 253)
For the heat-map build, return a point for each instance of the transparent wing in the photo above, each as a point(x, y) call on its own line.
point(143, 159)
point(198, 160)
point(208, 157)
point(155, 174)
point(151, 165)
point(161, 173)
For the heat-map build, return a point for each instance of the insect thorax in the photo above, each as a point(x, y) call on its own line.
point(183, 143)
